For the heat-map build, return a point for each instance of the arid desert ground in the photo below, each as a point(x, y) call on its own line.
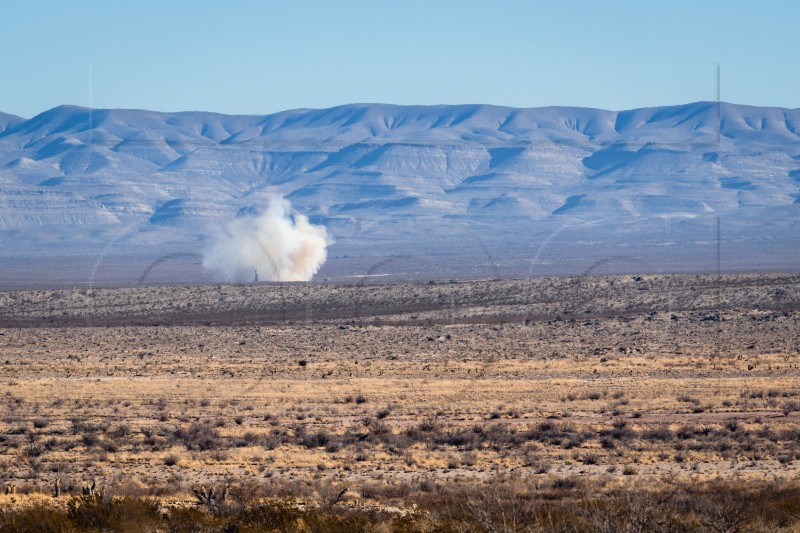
point(578, 386)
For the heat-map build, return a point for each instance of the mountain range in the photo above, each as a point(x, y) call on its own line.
point(431, 191)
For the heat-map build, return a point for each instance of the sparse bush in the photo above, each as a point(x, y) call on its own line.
point(109, 446)
point(199, 436)
point(789, 407)
point(315, 440)
point(506, 503)
point(685, 398)
point(126, 514)
point(34, 449)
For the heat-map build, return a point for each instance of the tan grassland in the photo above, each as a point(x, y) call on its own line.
point(308, 389)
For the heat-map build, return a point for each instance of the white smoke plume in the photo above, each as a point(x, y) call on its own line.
point(280, 244)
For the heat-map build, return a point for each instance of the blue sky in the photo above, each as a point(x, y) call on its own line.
point(261, 57)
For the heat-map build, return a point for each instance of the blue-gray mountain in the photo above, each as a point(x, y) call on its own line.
point(465, 189)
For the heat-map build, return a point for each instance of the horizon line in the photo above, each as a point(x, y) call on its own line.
point(376, 104)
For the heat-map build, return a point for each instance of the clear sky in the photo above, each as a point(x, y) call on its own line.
point(260, 56)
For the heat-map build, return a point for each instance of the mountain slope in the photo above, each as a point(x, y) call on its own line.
point(513, 186)
point(7, 121)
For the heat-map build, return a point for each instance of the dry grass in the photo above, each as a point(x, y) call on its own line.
point(639, 381)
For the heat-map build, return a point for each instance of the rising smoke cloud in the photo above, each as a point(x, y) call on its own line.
point(280, 244)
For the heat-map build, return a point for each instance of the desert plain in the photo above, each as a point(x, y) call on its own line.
point(383, 398)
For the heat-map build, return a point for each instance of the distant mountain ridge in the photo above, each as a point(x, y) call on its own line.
point(475, 123)
point(78, 180)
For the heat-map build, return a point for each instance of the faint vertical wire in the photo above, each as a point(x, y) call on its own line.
point(718, 349)
point(91, 104)
point(719, 108)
